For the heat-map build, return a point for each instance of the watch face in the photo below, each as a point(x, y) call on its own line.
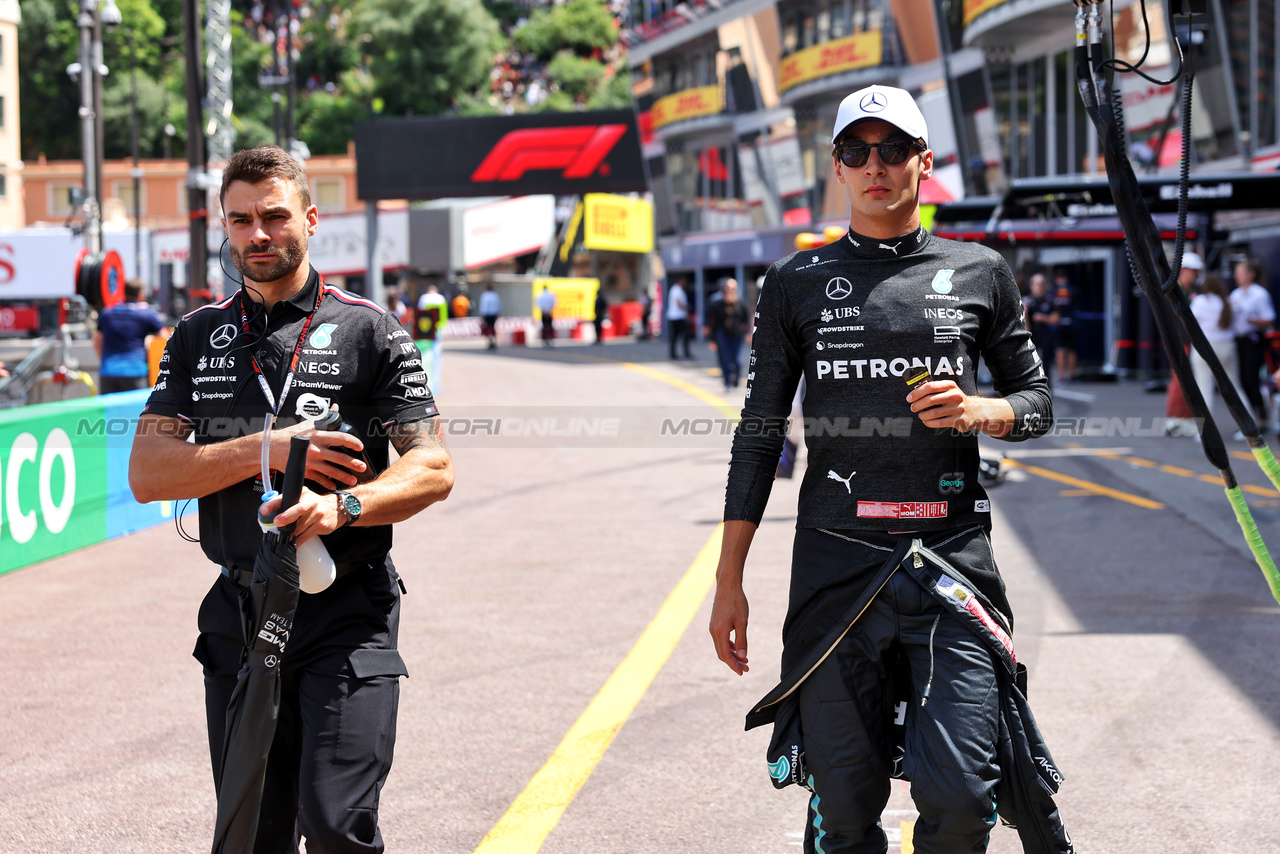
point(351, 504)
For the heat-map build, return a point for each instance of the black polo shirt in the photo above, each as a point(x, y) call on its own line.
point(355, 354)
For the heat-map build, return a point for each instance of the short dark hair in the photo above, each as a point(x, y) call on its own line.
point(133, 290)
point(254, 165)
point(1254, 266)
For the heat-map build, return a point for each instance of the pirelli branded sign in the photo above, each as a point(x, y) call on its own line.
point(617, 223)
point(557, 153)
point(861, 50)
point(687, 104)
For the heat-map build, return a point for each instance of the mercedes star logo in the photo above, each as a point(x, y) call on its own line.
point(838, 288)
point(873, 103)
point(223, 336)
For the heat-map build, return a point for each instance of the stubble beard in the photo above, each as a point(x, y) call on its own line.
point(288, 259)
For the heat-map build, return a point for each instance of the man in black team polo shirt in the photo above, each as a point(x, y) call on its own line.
point(290, 344)
point(886, 325)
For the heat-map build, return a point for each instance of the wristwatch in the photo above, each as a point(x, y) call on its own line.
point(350, 505)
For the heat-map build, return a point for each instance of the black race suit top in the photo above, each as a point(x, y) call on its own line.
point(858, 317)
point(356, 354)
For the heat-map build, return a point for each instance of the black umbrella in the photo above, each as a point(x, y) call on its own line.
point(267, 605)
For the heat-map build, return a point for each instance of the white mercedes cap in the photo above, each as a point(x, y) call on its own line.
point(887, 103)
point(1192, 261)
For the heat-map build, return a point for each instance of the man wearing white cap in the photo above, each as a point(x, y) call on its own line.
point(897, 659)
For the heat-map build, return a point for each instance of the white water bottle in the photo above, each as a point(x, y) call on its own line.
point(316, 569)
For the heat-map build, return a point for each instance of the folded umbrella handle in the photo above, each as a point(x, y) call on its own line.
point(295, 473)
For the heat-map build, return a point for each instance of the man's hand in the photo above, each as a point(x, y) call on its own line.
point(314, 514)
point(942, 405)
point(326, 465)
point(729, 624)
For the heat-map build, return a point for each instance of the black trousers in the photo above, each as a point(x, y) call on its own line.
point(949, 704)
point(111, 385)
point(680, 332)
point(1249, 351)
point(337, 724)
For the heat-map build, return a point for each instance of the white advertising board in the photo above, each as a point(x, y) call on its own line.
point(40, 263)
point(506, 229)
point(338, 247)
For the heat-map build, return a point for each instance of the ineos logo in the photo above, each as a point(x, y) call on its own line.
point(839, 288)
point(223, 336)
point(873, 103)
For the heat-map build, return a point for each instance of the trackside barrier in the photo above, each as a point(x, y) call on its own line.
point(64, 477)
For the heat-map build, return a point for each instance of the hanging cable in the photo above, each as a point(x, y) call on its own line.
point(1154, 274)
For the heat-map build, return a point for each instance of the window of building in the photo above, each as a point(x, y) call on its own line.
point(2, 106)
point(123, 190)
point(60, 199)
point(328, 194)
point(1251, 50)
point(790, 34)
point(1, 50)
point(839, 18)
point(824, 24)
point(4, 185)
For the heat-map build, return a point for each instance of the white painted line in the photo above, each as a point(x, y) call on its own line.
point(1065, 452)
point(1068, 394)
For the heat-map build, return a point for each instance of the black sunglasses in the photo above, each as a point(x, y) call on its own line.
point(892, 151)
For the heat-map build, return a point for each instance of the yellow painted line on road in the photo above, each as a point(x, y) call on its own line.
point(1097, 488)
point(1149, 464)
point(1178, 470)
point(1076, 493)
point(539, 807)
point(700, 393)
point(908, 831)
point(1207, 478)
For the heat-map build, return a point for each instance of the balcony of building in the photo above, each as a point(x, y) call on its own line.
point(834, 47)
point(655, 27)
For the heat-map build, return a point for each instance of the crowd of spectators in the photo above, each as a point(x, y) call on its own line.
point(520, 81)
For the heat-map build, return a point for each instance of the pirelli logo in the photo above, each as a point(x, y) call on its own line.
point(578, 151)
point(902, 509)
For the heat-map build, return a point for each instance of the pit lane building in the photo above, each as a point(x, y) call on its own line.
point(737, 98)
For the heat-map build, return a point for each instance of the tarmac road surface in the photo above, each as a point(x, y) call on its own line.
point(1149, 634)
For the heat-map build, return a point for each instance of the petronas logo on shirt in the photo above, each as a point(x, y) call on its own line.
point(323, 336)
point(942, 281)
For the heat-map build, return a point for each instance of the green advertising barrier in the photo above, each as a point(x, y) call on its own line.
point(64, 478)
point(53, 482)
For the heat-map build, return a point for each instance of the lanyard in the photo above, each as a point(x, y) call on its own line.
point(293, 361)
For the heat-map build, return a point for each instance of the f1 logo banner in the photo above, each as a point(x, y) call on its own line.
point(559, 153)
